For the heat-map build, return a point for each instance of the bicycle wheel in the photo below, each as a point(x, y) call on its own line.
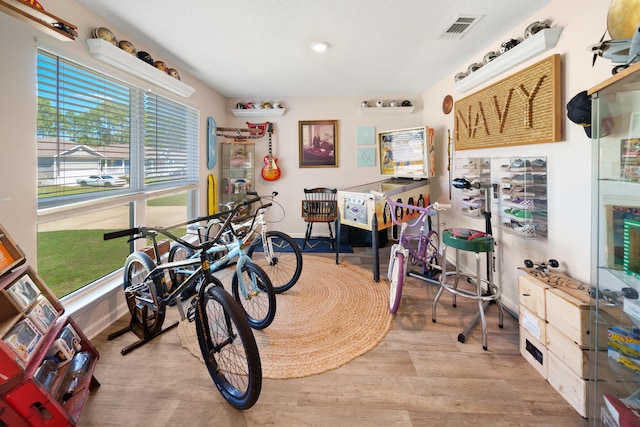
point(139, 295)
point(283, 264)
point(433, 244)
point(179, 252)
point(397, 280)
point(228, 347)
point(257, 298)
point(430, 259)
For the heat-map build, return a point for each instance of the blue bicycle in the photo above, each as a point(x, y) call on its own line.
point(251, 287)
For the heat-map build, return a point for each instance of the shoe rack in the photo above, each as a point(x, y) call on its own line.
point(522, 195)
point(476, 170)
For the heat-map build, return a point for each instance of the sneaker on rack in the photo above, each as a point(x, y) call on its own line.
point(521, 214)
point(540, 179)
point(469, 165)
point(471, 211)
point(539, 164)
point(476, 202)
point(520, 202)
point(520, 191)
point(519, 165)
point(527, 229)
point(522, 178)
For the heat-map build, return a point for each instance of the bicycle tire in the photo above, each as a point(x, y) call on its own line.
point(259, 307)
point(178, 252)
point(137, 266)
point(284, 265)
point(228, 347)
point(397, 281)
point(433, 243)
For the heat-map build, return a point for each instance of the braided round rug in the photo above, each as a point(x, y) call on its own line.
point(334, 314)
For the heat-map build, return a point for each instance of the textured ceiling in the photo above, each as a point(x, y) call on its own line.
point(260, 48)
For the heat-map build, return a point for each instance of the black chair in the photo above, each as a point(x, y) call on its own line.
point(319, 205)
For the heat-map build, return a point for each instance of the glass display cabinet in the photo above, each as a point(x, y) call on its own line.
point(615, 268)
point(237, 171)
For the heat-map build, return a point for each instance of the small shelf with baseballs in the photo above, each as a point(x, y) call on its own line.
point(382, 108)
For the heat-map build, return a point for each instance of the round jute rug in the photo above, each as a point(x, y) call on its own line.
point(334, 314)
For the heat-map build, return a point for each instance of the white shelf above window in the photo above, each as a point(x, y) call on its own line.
point(538, 43)
point(383, 111)
point(258, 112)
point(112, 55)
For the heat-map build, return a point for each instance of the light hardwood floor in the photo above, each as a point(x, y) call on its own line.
point(419, 375)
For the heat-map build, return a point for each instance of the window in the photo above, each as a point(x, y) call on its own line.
point(105, 148)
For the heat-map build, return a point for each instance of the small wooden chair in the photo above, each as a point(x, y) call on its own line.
point(319, 205)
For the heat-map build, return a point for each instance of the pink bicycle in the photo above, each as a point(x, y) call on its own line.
point(421, 247)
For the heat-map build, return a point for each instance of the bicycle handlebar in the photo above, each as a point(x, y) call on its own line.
point(441, 206)
point(121, 233)
point(151, 231)
point(429, 210)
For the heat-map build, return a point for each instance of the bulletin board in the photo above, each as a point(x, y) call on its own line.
point(524, 108)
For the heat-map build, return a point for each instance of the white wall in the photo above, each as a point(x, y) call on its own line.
point(569, 160)
point(285, 147)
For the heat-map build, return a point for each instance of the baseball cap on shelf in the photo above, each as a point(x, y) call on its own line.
point(579, 111)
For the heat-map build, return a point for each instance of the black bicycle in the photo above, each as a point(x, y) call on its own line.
point(227, 343)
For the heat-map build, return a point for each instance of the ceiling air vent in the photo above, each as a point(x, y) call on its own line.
point(460, 26)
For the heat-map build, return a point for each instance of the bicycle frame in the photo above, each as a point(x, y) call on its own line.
point(253, 224)
point(200, 259)
point(230, 250)
point(425, 250)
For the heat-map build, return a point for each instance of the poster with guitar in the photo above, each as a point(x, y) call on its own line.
point(270, 171)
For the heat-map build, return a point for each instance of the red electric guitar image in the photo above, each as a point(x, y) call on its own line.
point(270, 170)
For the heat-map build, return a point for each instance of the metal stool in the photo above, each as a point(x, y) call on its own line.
point(464, 239)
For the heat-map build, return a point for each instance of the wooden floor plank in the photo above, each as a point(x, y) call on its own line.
point(419, 375)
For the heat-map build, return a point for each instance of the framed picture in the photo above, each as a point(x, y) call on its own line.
point(318, 143)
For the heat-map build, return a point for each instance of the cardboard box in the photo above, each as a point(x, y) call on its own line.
point(23, 291)
point(534, 352)
point(532, 294)
point(23, 338)
point(42, 314)
point(570, 386)
point(11, 255)
point(65, 346)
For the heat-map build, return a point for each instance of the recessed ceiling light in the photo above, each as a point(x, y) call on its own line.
point(319, 47)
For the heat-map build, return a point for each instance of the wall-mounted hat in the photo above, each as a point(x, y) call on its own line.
point(579, 111)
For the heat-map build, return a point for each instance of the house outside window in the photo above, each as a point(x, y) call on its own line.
point(110, 156)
